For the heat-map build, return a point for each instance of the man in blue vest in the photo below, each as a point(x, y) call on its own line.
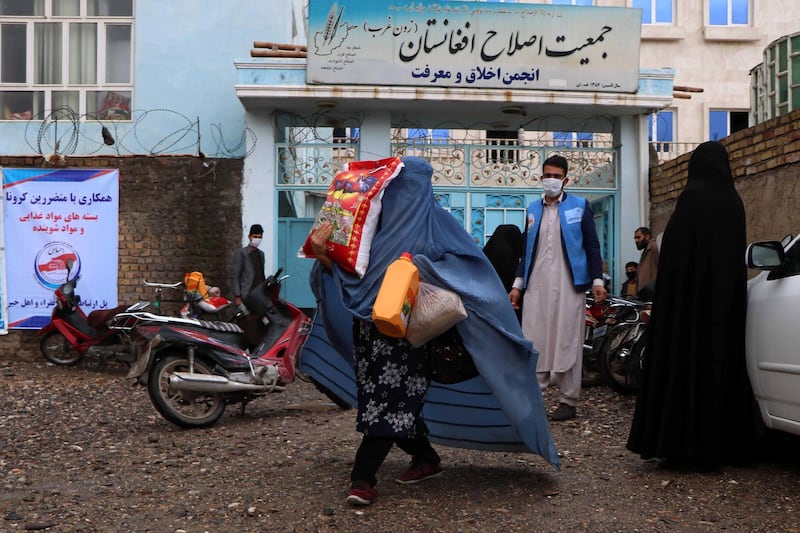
point(561, 260)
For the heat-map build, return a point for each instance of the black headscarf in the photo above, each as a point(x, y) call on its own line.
point(695, 402)
point(504, 248)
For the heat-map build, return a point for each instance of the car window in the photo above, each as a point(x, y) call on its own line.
point(792, 265)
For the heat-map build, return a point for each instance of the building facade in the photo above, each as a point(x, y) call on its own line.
point(711, 46)
point(486, 143)
point(158, 76)
point(133, 78)
point(145, 88)
point(175, 79)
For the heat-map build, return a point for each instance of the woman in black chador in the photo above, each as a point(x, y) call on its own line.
point(695, 404)
point(504, 248)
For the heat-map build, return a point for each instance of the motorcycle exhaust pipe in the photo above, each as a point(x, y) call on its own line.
point(186, 381)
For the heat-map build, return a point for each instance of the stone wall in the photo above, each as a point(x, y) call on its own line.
point(765, 161)
point(175, 216)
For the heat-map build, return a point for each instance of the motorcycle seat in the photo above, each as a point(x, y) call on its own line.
point(99, 318)
point(228, 327)
point(212, 305)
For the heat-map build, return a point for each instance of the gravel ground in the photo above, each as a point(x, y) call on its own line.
point(82, 449)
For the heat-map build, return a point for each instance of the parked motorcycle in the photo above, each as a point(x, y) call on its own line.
point(194, 368)
point(71, 334)
point(595, 332)
point(621, 364)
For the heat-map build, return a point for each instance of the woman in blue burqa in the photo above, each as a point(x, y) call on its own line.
point(500, 410)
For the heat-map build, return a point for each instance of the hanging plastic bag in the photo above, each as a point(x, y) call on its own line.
point(435, 311)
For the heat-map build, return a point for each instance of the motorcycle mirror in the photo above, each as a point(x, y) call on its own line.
point(70, 264)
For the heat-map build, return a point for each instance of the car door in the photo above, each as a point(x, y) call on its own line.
point(773, 342)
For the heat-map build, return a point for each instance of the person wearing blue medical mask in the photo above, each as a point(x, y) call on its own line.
point(561, 260)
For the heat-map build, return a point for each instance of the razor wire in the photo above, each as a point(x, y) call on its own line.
point(62, 131)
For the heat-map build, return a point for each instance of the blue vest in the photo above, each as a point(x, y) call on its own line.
point(571, 210)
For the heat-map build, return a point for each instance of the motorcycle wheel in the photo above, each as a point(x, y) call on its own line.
point(590, 374)
point(186, 409)
point(615, 365)
point(56, 348)
point(638, 353)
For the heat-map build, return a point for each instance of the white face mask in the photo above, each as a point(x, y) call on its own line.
point(255, 243)
point(552, 187)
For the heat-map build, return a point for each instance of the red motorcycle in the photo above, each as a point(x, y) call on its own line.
point(71, 334)
point(194, 368)
point(595, 330)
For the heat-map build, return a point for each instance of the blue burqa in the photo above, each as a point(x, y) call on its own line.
point(502, 408)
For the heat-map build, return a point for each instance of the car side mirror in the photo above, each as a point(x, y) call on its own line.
point(765, 255)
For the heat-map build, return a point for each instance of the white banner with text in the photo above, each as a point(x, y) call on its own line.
point(51, 216)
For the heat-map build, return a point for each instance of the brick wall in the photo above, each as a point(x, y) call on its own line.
point(175, 216)
point(765, 161)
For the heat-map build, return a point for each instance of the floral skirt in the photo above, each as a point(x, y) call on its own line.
point(392, 379)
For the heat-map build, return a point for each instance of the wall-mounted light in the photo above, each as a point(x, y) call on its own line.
point(107, 137)
point(513, 110)
point(326, 104)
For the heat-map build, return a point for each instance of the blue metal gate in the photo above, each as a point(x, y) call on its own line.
point(481, 186)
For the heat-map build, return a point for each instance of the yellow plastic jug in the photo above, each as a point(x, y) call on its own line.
point(396, 297)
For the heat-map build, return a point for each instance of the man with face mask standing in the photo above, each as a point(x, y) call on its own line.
point(248, 265)
point(629, 288)
point(561, 260)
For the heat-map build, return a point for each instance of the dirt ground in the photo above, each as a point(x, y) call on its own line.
point(83, 450)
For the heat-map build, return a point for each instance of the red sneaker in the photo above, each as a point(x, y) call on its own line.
point(419, 472)
point(361, 494)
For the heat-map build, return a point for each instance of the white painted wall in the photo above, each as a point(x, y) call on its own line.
point(633, 203)
point(259, 202)
point(376, 136)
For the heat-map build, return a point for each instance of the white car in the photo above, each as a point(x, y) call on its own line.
point(773, 332)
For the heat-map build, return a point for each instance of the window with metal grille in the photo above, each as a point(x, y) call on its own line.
point(502, 138)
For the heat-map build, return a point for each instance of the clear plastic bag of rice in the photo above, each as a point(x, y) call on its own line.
point(435, 311)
